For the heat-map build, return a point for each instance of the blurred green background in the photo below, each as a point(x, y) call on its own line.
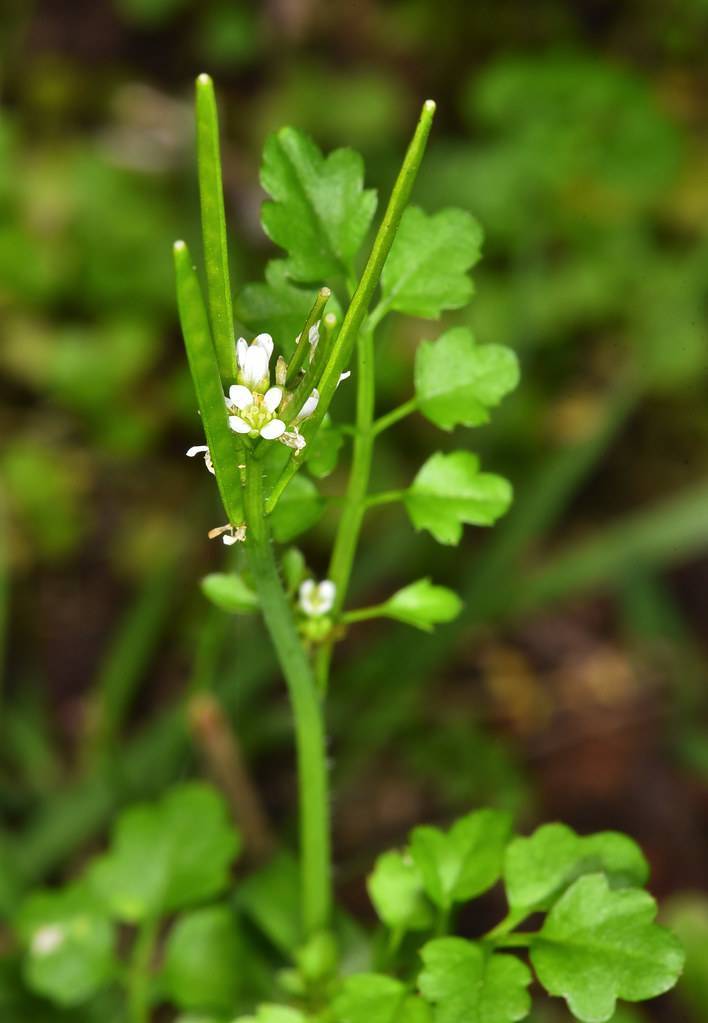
point(574, 685)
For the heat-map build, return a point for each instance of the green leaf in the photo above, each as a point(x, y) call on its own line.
point(268, 1013)
point(396, 890)
point(450, 490)
point(229, 592)
point(69, 944)
point(538, 868)
point(277, 307)
point(464, 862)
point(294, 568)
point(299, 508)
point(426, 271)
point(166, 856)
point(374, 998)
point(270, 897)
point(322, 452)
point(457, 381)
point(202, 958)
point(422, 605)
point(468, 984)
point(597, 945)
point(321, 213)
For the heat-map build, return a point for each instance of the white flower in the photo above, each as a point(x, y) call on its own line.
point(309, 407)
point(293, 439)
point(202, 449)
point(48, 939)
point(254, 361)
point(229, 534)
point(256, 411)
point(344, 376)
point(317, 599)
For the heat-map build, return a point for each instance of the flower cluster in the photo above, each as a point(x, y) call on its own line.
point(252, 403)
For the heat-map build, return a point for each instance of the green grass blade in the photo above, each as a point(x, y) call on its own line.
point(216, 253)
point(207, 384)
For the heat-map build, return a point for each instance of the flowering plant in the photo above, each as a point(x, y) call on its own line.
point(578, 913)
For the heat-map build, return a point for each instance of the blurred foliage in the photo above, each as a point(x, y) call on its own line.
point(576, 137)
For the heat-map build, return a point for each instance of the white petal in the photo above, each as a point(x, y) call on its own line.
point(240, 396)
point(241, 349)
point(344, 376)
point(314, 334)
point(229, 539)
point(264, 341)
point(273, 429)
point(238, 425)
point(256, 366)
point(197, 449)
point(326, 592)
point(310, 405)
point(272, 398)
point(305, 595)
point(293, 439)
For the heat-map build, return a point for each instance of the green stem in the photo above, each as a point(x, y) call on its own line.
point(363, 614)
point(307, 710)
point(505, 926)
point(303, 347)
point(385, 497)
point(395, 415)
point(216, 253)
point(345, 543)
point(139, 977)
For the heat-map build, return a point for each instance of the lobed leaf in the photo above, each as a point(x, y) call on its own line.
point(539, 868)
point(322, 452)
point(395, 887)
point(201, 963)
point(426, 271)
point(69, 942)
point(321, 213)
point(597, 945)
point(457, 381)
point(166, 856)
point(374, 998)
point(422, 605)
point(468, 984)
point(464, 862)
point(228, 591)
point(449, 490)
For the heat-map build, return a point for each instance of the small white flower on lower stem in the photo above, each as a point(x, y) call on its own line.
point(202, 449)
point(317, 599)
point(48, 939)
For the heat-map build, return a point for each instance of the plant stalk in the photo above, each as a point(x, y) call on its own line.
point(309, 725)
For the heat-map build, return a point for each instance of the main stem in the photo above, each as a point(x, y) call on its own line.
point(340, 566)
point(307, 710)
